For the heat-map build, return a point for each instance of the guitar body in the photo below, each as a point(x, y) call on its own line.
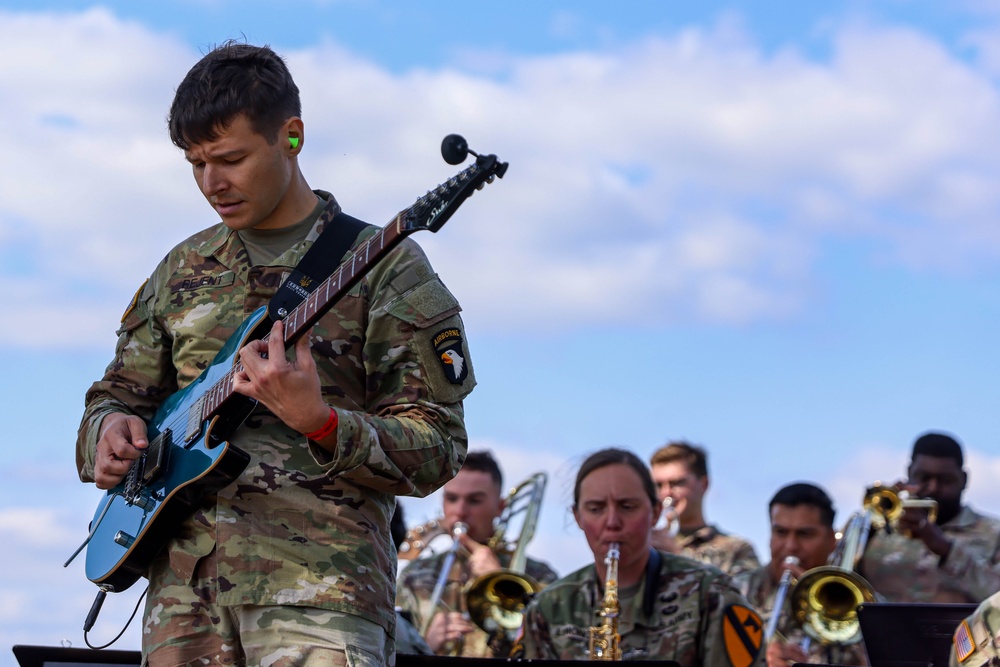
point(184, 463)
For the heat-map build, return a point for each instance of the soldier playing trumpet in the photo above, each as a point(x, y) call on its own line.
point(953, 557)
point(680, 471)
point(474, 498)
point(666, 607)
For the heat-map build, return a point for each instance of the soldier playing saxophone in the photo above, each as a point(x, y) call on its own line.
point(671, 607)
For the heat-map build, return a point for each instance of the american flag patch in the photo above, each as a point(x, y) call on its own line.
point(964, 646)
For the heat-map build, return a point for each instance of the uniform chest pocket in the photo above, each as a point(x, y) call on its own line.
point(200, 312)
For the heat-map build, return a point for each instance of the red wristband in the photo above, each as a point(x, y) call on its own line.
point(326, 429)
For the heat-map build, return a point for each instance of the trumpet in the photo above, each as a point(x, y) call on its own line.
point(419, 537)
point(670, 519)
point(605, 642)
point(887, 505)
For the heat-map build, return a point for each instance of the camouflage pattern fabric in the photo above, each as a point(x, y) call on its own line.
point(761, 590)
point(183, 626)
point(301, 526)
point(729, 553)
point(688, 622)
point(408, 639)
point(903, 570)
point(976, 642)
point(416, 583)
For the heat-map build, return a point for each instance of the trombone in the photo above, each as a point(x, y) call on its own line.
point(496, 601)
point(825, 599)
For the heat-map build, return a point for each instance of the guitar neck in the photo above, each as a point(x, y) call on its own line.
point(303, 317)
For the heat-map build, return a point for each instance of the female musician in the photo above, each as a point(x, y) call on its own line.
point(671, 607)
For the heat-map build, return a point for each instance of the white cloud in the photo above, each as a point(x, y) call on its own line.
point(667, 180)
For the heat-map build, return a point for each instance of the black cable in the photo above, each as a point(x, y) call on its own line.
point(93, 617)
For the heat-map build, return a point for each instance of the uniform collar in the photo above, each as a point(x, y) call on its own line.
point(225, 243)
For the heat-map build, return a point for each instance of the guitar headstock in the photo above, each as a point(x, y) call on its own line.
point(435, 208)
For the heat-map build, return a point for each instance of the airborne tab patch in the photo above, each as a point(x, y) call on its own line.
point(448, 346)
point(743, 633)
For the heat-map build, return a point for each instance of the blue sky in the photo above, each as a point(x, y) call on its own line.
point(767, 227)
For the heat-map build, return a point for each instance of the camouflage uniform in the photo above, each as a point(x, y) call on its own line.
point(729, 553)
point(408, 639)
point(690, 621)
point(301, 526)
point(905, 570)
point(977, 640)
point(761, 590)
point(416, 583)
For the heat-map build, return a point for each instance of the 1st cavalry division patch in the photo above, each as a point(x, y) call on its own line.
point(448, 345)
point(743, 633)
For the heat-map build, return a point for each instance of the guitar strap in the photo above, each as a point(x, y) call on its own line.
point(316, 266)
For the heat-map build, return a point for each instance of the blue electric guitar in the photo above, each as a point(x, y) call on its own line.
point(189, 457)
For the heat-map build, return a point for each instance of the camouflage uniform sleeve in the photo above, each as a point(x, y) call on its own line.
point(976, 641)
point(136, 381)
point(979, 574)
point(732, 632)
point(744, 560)
point(540, 572)
point(536, 636)
point(410, 438)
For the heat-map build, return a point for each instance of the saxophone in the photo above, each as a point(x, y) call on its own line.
point(605, 642)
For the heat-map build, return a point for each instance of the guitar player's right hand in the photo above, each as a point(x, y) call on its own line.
point(123, 437)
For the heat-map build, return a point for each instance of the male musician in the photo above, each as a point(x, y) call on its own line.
point(474, 498)
point(292, 563)
point(801, 517)
point(680, 471)
point(955, 558)
point(976, 641)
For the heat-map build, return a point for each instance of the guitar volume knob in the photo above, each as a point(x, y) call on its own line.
point(124, 539)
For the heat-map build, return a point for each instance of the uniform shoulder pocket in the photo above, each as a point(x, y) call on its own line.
point(424, 305)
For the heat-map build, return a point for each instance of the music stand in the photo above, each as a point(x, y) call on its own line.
point(910, 634)
point(451, 661)
point(57, 656)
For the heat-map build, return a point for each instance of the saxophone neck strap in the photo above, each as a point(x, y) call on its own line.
point(652, 581)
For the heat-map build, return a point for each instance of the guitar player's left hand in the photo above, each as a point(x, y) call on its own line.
point(288, 388)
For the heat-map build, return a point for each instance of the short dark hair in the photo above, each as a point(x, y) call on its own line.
point(939, 445)
point(804, 493)
point(397, 526)
point(693, 456)
point(611, 456)
point(231, 80)
point(484, 462)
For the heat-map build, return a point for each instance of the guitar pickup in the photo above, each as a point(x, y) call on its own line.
point(155, 458)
